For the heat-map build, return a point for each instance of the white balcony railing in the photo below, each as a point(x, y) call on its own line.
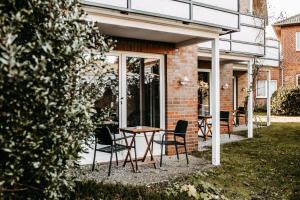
point(249, 40)
point(216, 13)
point(272, 56)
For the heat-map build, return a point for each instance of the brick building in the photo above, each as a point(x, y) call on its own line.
point(288, 32)
point(288, 73)
point(166, 48)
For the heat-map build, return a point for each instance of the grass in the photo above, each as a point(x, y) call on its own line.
point(266, 167)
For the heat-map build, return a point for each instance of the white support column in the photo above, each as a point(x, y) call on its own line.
point(250, 100)
point(269, 99)
point(215, 95)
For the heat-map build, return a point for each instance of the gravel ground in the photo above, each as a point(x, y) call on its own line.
point(147, 175)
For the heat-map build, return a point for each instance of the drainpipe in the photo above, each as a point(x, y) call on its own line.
point(282, 69)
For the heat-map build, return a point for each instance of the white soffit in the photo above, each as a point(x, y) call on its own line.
point(148, 28)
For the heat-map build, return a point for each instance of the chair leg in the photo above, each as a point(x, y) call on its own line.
point(116, 153)
point(93, 167)
point(186, 155)
point(228, 130)
point(161, 154)
point(176, 148)
point(111, 156)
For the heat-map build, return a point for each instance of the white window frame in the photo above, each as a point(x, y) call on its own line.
point(297, 79)
point(266, 88)
point(297, 40)
point(250, 6)
point(123, 84)
point(275, 81)
point(264, 96)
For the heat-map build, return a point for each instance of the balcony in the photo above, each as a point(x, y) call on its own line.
point(165, 20)
point(272, 57)
point(249, 41)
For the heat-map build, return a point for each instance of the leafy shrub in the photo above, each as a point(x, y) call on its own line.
point(45, 110)
point(260, 108)
point(286, 101)
point(90, 190)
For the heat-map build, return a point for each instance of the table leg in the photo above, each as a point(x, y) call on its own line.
point(208, 128)
point(200, 127)
point(149, 149)
point(129, 152)
point(136, 161)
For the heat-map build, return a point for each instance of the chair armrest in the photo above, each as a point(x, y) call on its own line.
point(180, 134)
point(169, 131)
point(122, 138)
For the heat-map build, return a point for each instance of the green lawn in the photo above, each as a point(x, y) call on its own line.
point(266, 167)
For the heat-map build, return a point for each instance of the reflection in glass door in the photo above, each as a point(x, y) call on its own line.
point(203, 93)
point(143, 91)
point(108, 102)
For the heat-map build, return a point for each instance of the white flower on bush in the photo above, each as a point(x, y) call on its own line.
point(190, 190)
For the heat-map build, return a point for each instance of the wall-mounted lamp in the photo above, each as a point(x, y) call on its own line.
point(184, 80)
point(225, 86)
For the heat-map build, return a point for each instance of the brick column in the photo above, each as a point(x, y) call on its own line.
point(182, 101)
point(226, 94)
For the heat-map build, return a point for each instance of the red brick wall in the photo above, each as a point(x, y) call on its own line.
point(181, 101)
point(291, 57)
point(226, 95)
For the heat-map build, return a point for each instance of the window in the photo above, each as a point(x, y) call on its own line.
point(273, 86)
point(262, 88)
point(246, 6)
point(298, 79)
point(298, 41)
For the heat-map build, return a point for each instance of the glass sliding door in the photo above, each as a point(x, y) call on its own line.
point(203, 92)
point(106, 73)
point(143, 91)
point(109, 102)
point(133, 95)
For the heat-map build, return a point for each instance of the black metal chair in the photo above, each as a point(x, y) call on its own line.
point(224, 120)
point(179, 132)
point(241, 113)
point(104, 136)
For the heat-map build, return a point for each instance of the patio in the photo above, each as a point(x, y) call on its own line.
point(147, 175)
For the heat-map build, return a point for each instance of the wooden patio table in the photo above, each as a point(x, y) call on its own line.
point(135, 131)
point(203, 122)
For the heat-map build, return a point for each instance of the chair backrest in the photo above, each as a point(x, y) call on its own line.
point(224, 116)
point(181, 128)
point(241, 110)
point(103, 136)
point(113, 128)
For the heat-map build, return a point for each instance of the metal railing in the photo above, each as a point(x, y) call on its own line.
point(187, 11)
point(250, 40)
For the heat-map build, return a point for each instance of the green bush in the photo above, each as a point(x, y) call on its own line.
point(45, 110)
point(286, 101)
point(260, 108)
point(90, 190)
